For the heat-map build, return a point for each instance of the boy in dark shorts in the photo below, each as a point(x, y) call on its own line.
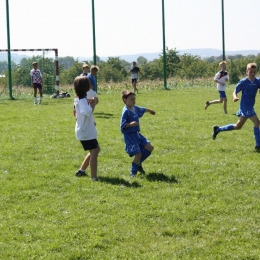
point(135, 144)
point(85, 128)
point(36, 81)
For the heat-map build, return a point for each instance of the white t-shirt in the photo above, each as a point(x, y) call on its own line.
point(85, 128)
point(221, 76)
point(91, 93)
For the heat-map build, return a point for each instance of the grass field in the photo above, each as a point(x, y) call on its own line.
point(199, 198)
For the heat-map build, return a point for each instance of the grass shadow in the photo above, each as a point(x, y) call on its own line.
point(119, 181)
point(158, 176)
point(103, 115)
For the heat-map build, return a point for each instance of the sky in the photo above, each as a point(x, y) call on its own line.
point(125, 27)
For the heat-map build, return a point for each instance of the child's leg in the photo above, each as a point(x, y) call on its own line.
point(35, 95)
point(217, 101)
point(225, 105)
point(135, 164)
point(230, 127)
point(146, 152)
point(85, 163)
point(93, 162)
point(255, 120)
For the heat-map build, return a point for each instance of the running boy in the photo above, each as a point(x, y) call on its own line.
point(220, 78)
point(249, 87)
point(135, 144)
point(85, 129)
point(36, 81)
point(134, 75)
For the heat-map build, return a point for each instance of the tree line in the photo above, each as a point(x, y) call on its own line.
point(184, 66)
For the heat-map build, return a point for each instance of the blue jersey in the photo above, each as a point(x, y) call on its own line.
point(93, 81)
point(249, 90)
point(129, 116)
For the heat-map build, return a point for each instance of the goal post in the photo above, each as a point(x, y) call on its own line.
point(57, 80)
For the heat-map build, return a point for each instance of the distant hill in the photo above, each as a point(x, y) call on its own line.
point(204, 53)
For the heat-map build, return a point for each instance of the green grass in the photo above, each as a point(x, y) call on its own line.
point(198, 200)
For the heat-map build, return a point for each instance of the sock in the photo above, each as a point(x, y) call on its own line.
point(145, 155)
point(226, 128)
point(257, 136)
point(134, 168)
point(35, 99)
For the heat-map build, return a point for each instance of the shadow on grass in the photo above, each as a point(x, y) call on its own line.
point(119, 181)
point(103, 115)
point(158, 176)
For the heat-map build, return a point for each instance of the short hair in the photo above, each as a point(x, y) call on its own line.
point(81, 86)
point(85, 66)
point(94, 67)
point(126, 94)
point(222, 62)
point(251, 66)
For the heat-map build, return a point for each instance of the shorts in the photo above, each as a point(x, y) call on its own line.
point(37, 85)
point(89, 144)
point(134, 80)
point(222, 94)
point(134, 143)
point(246, 112)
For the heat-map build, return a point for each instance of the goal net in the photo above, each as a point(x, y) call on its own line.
point(17, 84)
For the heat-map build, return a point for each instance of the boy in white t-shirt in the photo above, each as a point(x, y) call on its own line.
point(220, 78)
point(85, 129)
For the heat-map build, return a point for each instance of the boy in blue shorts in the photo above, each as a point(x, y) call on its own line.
point(135, 144)
point(220, 78)
point(249, 87)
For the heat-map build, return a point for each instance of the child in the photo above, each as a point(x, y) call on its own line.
point(85, 70)
point(134, 70)
point(135, 144)
point(220, 78)
point(85, 127)
point(36, 81)
point(92, 93)
point(249, 87)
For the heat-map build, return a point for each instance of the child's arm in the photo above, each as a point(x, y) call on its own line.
point(235, 97)
point(222, 84)
point(150, 111)
point(134, 123)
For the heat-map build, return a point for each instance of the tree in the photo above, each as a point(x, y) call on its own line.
point(141, 60)
point(172, 62)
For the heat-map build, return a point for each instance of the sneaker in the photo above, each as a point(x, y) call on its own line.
point(141, 170)
point(94, 179)
point(206, 105)
point(257, 148)
point(132, 175)
point(215, 132)
point(80, 173)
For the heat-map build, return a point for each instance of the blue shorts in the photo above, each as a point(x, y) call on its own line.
point(134, 143)
point(246, 112)
point(222, 94)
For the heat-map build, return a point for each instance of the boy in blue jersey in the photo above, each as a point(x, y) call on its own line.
point(135, 144)
point(249, 87)
point(92, 77)
point(220, 78)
